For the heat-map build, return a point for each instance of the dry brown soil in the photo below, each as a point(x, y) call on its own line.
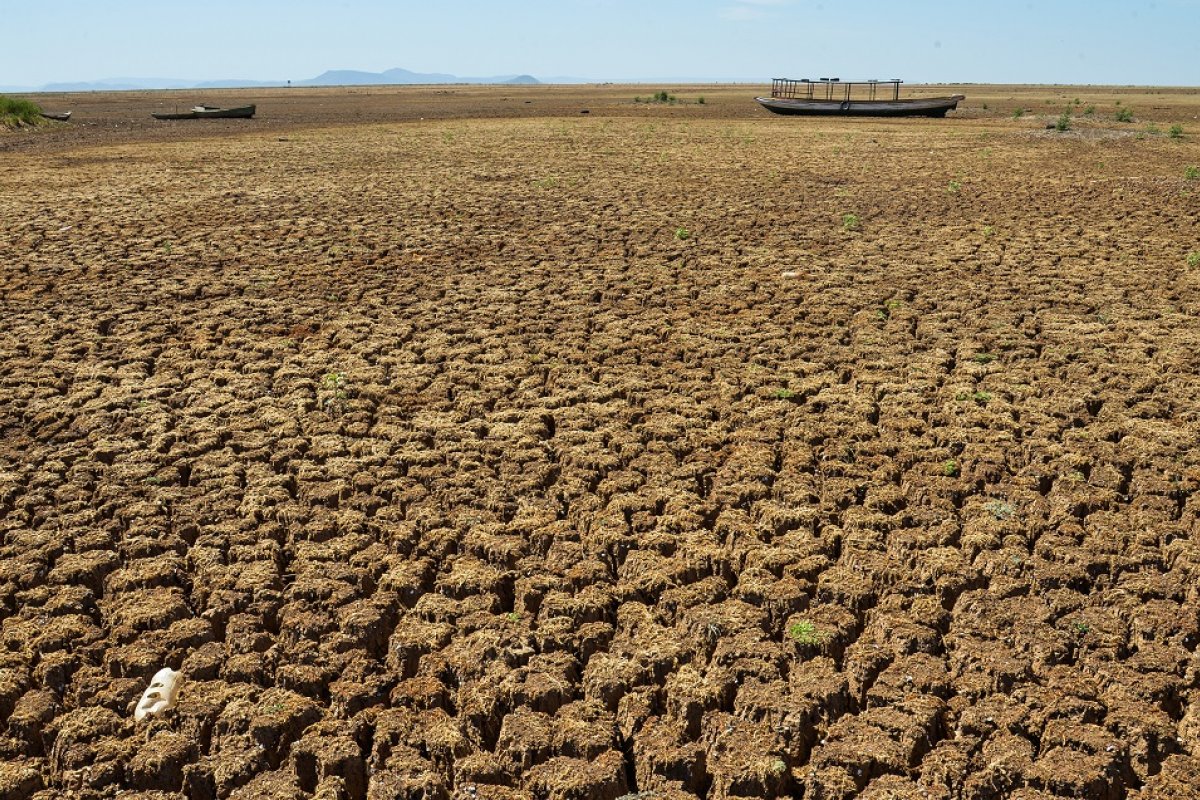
point(457, 444)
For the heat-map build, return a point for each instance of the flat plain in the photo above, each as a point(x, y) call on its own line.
point(456, 443)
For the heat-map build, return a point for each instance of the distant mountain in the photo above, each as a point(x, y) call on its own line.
point(340, 77)
point(116, 85)
point(349, 77)
point(136, 84)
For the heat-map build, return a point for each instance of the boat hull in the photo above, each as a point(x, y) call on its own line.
point(913, 107)
point(209, 112)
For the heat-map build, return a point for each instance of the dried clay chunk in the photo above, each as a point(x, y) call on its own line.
point(160, 696)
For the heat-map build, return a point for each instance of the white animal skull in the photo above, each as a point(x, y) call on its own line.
point(160, 695)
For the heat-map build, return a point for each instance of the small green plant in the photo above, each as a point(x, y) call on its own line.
point(890, 306)
point(700, 100)
point(950, 468)
point(999, 509)
point(1124, 114)
point(1176, 132)
point(683, 234)
point(1089, 111)
point(785, 394)
point(850, 222)
point(1018, 113)
point(512, 616)
point(955, 187)
point(334, 384)
point(1193, 259)
point(989, 231)
point(981, 397)
point(1152, 129)
point(983, 358)
point(1063, 123)
point(1191, 173)
point(805, 632)
point(1081, 628)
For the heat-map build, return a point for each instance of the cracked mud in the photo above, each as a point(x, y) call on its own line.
point(669, 452)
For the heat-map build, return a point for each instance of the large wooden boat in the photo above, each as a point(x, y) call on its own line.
point(208, 112)
point(833, 96)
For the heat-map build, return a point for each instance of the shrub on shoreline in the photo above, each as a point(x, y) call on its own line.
point(14, 112)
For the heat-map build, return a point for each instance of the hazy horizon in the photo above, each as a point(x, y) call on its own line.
point(733, 41)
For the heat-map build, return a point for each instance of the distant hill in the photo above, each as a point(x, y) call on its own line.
point(338, 77)
point(348, 77)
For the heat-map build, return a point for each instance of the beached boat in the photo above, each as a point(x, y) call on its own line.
point(208, 112)
point(833, 96)
point(61, 116)
point(212, 112)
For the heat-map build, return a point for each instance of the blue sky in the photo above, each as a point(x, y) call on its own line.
point(1049, 41)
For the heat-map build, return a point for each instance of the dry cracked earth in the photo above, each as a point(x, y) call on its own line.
point(456, 444)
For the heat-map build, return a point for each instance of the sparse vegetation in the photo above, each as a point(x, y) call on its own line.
point(850, 222)
point(1193, 259)
point(1089, 111)
point(1191, 172)
point(1124, 114)
point(683, 234)
point(999, 509)
point(658, 97)
point(1063, 123)
point(805, 632)
point(335, 391)
point(989, 231)
point(1176, 131)
point(15, 112)
point(1018, 113)
point(785, 394)
point(955, 187)
point(983, 358)
point(950, 468)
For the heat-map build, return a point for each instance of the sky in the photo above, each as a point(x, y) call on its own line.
point(921, 41)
